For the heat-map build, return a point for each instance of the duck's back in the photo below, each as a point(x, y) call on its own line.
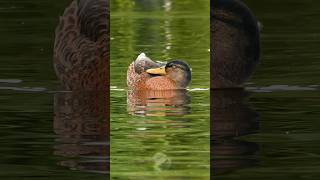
point(235, 43)
point(81, 46)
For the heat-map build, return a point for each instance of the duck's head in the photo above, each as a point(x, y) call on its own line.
point(176, 70)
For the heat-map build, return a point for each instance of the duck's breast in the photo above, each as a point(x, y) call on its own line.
point(160, 83)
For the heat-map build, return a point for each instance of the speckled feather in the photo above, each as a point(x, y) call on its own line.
point(81, 49)
point(235, 43)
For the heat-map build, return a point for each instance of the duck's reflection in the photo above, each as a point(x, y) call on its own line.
point(82, 125)
point(158, 102)
point(231, 117)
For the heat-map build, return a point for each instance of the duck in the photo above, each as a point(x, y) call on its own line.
point(235, 43)
point(81, 46)
point(145, 74)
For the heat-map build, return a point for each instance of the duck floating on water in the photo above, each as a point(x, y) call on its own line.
point(145, 74)
point(81, 48)
point(235, 43)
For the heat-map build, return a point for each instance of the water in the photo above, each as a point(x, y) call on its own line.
point(270, 130)
point(160, 134)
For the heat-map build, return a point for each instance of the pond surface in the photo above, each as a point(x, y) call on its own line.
point(269, 131)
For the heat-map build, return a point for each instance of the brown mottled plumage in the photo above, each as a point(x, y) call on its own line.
point(175, 75)
point(235, 43)
point(81, 49)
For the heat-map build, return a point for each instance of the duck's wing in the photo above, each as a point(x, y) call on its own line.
point(136, 74)
point(81, 46)
point(94, 19)
point(67, 31)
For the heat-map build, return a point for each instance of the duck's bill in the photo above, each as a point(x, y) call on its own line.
point(158, 71)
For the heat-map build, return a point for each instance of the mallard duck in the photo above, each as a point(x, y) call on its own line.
point(235, 47)
point(81, 48)
point(145, 74)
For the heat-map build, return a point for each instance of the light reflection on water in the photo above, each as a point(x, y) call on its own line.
point(81, 122)
point(158, 103)
point(152, 135)
point(232, 117)
point(157, 140)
